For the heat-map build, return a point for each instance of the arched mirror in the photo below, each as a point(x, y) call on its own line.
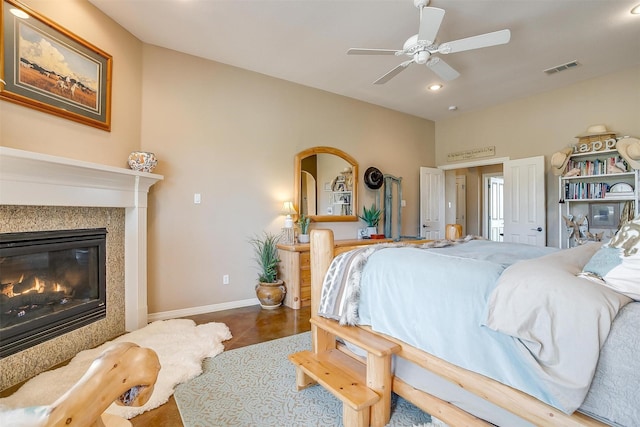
point(326, 184)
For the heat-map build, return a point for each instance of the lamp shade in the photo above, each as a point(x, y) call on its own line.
point(288, 210)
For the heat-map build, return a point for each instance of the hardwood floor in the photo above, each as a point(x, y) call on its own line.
point(248, 325)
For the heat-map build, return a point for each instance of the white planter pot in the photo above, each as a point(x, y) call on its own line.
point(371, 231)
point(303, 238)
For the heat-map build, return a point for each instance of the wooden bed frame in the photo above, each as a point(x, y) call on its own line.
point(352, 379)
point(118, 369)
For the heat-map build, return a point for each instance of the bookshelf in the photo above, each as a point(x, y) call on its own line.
point(596, 185)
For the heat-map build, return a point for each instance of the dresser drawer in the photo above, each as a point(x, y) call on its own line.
point(305, 296)
point(305, 277)
point(305, 260)
point(305, 286)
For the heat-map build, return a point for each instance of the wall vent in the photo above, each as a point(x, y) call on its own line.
point(562, 67)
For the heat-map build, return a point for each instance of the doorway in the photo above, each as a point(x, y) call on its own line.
point(523, 198)
point(493, 206)
point(461, 202)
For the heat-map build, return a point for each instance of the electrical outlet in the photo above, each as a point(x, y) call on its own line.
point(225, 279)
point(403, 203)
point(197, 198)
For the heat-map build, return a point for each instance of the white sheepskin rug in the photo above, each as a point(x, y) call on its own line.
point(180, 344)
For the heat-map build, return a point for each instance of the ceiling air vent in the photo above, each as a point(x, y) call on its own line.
point(562, 67)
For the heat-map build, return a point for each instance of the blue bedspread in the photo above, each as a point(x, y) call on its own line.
point(516, 313)
point(447, 320)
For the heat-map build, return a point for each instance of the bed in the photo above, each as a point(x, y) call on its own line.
point(515, 367)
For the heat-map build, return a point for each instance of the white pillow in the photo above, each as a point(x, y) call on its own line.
point(628, 238)
point(624, 277)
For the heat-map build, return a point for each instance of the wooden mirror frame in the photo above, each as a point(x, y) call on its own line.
point(298, 176)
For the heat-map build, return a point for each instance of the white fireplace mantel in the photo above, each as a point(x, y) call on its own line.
point(35, 179)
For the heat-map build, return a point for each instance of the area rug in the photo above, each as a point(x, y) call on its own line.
point(180, 344)
point(255, 386)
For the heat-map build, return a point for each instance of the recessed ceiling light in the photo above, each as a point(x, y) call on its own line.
point(435, 87)
point(452, 108)
point(636, 10)
point(19, 13)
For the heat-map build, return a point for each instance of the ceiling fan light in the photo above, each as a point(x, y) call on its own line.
point(422, 57)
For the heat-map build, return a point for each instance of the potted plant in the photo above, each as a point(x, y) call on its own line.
point(371, 216)
point(269, 290)
point(303, 222)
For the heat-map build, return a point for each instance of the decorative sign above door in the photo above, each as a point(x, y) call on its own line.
point(473, 153)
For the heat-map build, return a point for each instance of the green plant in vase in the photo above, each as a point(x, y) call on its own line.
point(372, 217)
point(269, 290)
point(303, 222)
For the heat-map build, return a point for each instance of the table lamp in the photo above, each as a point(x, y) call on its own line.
point(288, 210)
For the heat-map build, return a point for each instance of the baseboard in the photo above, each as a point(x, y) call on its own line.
point(164, 315)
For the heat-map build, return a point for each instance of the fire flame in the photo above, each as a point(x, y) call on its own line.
point(39, 286)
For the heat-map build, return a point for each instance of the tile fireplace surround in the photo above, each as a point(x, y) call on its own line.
point(42, 192)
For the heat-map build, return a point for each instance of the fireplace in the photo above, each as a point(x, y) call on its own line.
point(43, 192)
point(51, 282)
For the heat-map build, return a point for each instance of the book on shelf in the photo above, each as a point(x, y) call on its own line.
point(609, 165)
point(585, 190)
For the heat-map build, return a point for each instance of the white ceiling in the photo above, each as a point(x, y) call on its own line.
point(305, 41)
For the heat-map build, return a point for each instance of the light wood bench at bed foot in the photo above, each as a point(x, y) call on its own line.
point(363, 385)
point(338, 374)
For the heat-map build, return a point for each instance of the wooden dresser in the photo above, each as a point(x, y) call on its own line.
point(295, 269)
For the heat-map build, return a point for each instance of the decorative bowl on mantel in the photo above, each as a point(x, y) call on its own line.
point(142, 161)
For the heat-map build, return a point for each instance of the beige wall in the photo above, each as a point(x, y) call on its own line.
point(31, 130)
point(231, 135)
point(545, 123)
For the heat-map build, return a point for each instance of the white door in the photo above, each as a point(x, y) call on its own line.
point(524, 201)
point(461, 202)
point(496, 208)
point(431, 203)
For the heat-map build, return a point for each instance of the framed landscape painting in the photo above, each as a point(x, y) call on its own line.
point(50, 69)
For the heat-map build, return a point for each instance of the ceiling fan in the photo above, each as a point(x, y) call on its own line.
point(422, 46)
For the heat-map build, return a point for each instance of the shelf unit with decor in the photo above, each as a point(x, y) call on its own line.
point(598, 193)
point(341, 202)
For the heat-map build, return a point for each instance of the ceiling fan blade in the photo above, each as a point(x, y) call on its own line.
point(442, 69)
point(391, 74)
point(430, 20)
point(476, 42)
point(358, 51)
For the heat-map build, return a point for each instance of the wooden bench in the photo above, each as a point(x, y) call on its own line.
point(363, 386)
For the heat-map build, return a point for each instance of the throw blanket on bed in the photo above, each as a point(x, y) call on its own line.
point(436, 300)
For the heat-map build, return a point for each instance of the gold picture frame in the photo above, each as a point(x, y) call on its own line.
point(50, 69)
